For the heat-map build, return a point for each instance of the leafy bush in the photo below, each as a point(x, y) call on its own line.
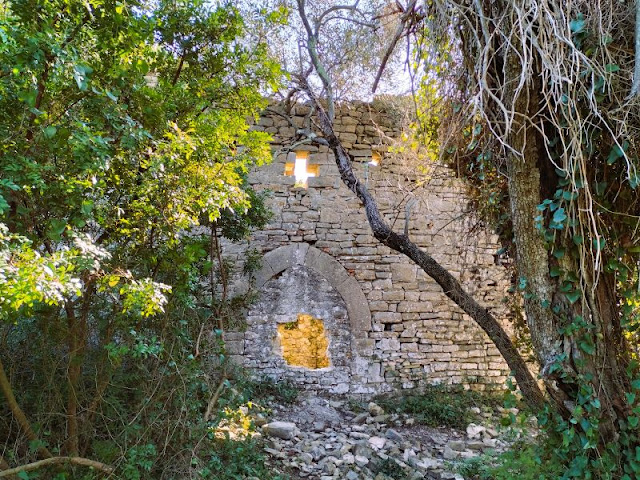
point(522, 461)
point(236, 460)
point(441, 405)
point(390, 468)
point(281, 391)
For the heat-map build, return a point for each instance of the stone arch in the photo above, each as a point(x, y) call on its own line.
point(282, 258)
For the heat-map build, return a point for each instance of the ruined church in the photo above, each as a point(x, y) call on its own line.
point(334, 310)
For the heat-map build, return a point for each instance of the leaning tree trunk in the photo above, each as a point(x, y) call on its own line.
point(450, 286)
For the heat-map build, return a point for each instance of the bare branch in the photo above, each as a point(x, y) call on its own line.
point(312, 44)
point(394, 41)
point(335, 8)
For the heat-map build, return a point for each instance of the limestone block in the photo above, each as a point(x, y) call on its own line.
point(393, 295)
point(322, 182)
point(330, 216)
point(263, 275)
point(411, 307)
point(387, 317)
point(234, 347)
point(357, 306)
point(378, 306)
point(361, 153)
point(348, 138)
point(402, 272)
point(387, 344)
point(285, 257)
point(283, 430)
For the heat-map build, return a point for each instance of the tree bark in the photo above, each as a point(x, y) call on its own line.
point(547, 309)
point(56, 460)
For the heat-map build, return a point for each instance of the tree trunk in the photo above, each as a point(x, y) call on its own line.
point(21, 418)
point(568, 357)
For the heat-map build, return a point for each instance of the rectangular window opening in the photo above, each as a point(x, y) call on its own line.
point(376, 158)
point(301, 169)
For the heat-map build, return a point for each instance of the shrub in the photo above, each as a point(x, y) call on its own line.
point(441, 405)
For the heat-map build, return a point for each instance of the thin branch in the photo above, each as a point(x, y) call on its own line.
point(312, 44)
point(335, 8)
point(179, 69)
point(215, 397)
point(19, 415)
point(396, 38)
point(85, 462)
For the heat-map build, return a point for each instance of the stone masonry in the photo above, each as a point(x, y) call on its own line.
point(388, 325)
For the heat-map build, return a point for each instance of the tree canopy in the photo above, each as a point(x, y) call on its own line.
point(123, 125)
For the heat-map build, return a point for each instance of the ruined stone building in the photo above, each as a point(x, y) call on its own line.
point(335, 310)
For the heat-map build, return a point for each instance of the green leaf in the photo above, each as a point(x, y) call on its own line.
point(4, 206)
point(598, 243)
point(587, 347)
point(57, 227)
point(86, 207)
point(611, 67)
point(617, 152)
point(522, 284)
point(578, 24)
point(578, 239)
point(574, 296)
point(50, 131)
point(559, 216)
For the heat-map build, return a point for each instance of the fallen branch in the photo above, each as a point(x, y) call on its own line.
point(85, 462)
point(5, 466)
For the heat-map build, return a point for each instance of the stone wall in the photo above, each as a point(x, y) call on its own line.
point(389, 325)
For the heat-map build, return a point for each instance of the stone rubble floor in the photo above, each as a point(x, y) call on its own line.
point(320, 439)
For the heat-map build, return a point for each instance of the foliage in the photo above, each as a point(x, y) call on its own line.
point(441, 405)
point(580, 285)
point(123, 126)
point(269, 390)
point(237, 460)
point(523, 461)
point(392, 469)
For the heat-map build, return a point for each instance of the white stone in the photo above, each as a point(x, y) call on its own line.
point(374, 409)
point(475, 431)
point(283, 430)
point(377, 442)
